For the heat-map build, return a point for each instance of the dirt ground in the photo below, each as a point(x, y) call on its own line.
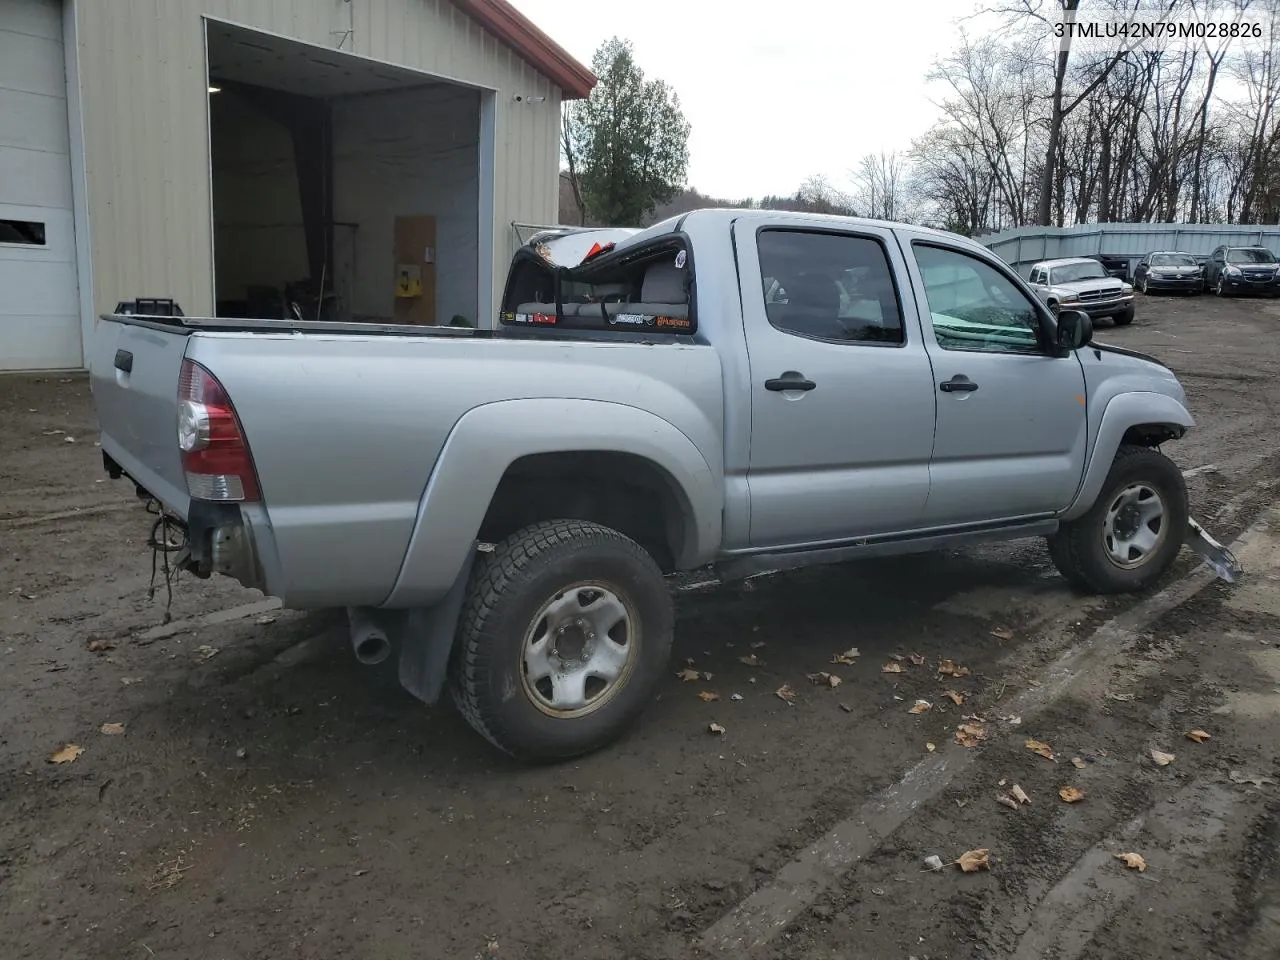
point(270, 798)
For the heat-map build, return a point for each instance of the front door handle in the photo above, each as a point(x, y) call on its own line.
point(958, 384)
point(791, 380)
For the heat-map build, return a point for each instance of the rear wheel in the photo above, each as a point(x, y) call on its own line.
point(1124, 318)
point(565, 634)
point(1134, 530)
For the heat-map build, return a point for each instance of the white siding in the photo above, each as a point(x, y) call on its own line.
point(39, 310)
point(145, 114)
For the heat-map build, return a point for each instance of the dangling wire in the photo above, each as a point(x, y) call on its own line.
point(162, 543)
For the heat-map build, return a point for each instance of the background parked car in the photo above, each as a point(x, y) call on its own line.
point(1168, 270)
point(1233, 270)
point(1082, 283)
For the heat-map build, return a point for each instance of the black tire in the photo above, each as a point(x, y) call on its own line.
point(1124, 318)
point(1079, 547)
point(1220, 289)
point(508, 589)
point(1143, 286)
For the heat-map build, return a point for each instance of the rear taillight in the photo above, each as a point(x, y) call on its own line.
point(215, 456)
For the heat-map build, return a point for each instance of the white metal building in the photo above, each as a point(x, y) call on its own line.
point(362, 159)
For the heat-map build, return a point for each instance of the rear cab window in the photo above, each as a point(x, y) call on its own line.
point(829, 286)
point(646, 289)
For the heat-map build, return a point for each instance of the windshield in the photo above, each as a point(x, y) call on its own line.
point(1250, 255)
point(1071, 272)
point(1172, 260)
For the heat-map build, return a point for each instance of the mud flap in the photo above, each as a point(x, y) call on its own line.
point(424, 636)
point(1221, 560)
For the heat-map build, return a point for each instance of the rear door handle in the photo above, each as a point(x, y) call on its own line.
point(789, 381)
point(958, 384)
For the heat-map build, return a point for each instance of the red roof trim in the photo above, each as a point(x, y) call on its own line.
point(519, 33)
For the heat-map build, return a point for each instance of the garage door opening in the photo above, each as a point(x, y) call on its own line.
point(343, 188)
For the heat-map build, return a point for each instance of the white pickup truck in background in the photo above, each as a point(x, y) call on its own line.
point(750, 389)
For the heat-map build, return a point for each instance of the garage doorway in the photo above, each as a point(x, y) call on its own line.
point(343, 188)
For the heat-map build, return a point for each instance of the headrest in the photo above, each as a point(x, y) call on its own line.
point(664, 283)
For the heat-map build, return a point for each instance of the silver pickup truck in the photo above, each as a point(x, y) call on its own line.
point(754, 390)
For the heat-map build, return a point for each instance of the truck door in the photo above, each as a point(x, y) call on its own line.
point(842, 397)
point(1012, 430)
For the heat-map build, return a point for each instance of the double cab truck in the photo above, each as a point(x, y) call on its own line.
point(752, 390)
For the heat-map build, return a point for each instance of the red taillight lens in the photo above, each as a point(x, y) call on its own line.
point(215, 456)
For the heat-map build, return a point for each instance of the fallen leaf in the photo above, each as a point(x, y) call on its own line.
point(933, 863)
point(206, 652)
point(1019, 794)
point(970, 735)
point(1133, 861)
point(1013, 720)
point(948, 668)
point(1077, 763)
point(891, 667)
point(825, 679)
point(266, 621)
point(846, 708)
point(715, 728)
point(956, 698)
point(67, 754)
point(918, 659)
point(930, 747)
point(1042, 749)
point(1199, 736)
point(706, 675)
point(1002, 633)
point(69, 439)
point(708, 696)
point(687, 675)
point(113, 729)
point(735, 696)
point(1007, 800)
point(786, 694)
point(129, 681)
point(847, 658)
point(100, 645)
point(1071, 794)
point(921, 706)
point(972, 860)
point(1161, 758)
point(897, 656)
point(751, 660)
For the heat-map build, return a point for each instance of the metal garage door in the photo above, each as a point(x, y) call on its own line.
point(39, 311)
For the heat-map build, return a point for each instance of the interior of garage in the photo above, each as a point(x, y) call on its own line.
point(343, 188)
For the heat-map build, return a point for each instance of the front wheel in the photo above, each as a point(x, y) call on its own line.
point(1142, 286)
point(564, 636)
point(1134, 530)
point(1220, 290)
point(1124, 317)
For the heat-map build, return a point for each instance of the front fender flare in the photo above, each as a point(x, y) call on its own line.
point(489, 438)
point(1122, 412)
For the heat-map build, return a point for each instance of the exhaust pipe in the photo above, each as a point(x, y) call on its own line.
point(368, 639)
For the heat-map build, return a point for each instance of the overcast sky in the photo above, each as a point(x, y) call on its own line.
point(779, 90)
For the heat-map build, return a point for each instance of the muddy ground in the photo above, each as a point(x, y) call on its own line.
point(270, 798)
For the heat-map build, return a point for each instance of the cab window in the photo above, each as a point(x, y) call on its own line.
point(973, 306)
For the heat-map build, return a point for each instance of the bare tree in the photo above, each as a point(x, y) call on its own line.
point(880, 181)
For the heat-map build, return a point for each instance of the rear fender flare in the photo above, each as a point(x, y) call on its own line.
point(1122, 412)
point(488, 439)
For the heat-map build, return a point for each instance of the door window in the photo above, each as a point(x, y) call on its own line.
point(973, 306)
point(829, 286)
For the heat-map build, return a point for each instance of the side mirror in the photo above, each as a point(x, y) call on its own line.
point(1075, 329)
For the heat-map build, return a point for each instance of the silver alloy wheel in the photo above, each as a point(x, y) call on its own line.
point(579, 650)
point(1134, 527)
